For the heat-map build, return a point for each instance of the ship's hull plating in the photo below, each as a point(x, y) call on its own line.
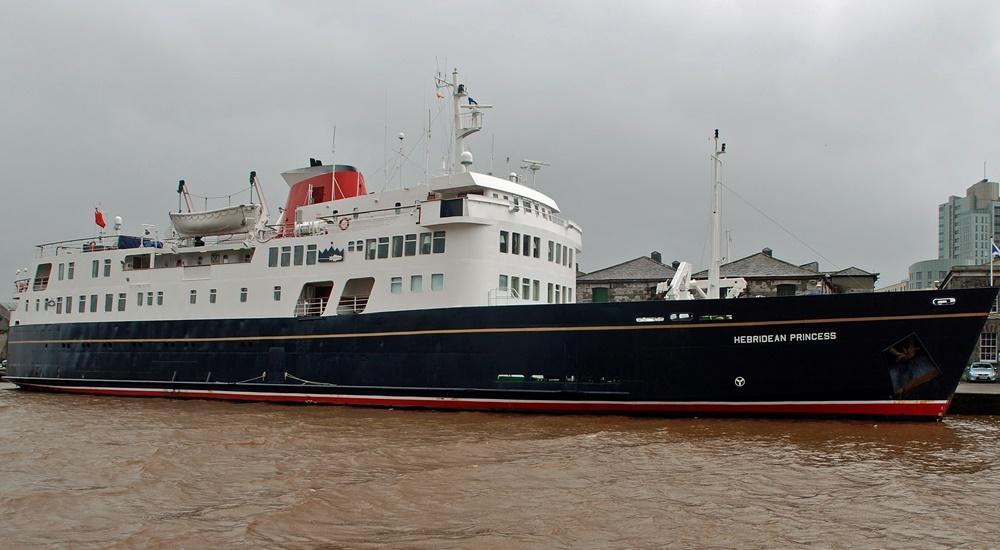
point(883, 354)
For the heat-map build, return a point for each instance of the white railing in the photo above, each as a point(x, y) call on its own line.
point(310, 308)
point(502, 296)
point(352, 304)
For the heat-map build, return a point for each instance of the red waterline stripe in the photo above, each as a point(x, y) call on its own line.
point(925, 409)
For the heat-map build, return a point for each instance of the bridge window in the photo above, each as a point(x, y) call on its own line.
point(439, 242)
point(298, 254)
point(370, 249)
point(416, 283)
point(504, 237)
point(437, 281)
point(396, 285)
point(272, 256)
point(286, 256)
point(410, 249)
point(311, 254)
point(397, 246)
point(383, 247)
point(425, 243)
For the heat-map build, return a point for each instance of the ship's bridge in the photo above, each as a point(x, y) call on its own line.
point(475, 183)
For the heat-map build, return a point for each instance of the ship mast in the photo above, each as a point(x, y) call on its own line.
point(463, 128)
point(713, 268)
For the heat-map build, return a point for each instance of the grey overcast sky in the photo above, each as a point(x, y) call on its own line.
point(846, 122)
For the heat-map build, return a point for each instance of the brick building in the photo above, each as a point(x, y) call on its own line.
point(631, 281)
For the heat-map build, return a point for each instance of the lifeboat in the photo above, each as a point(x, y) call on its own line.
point(222, 221)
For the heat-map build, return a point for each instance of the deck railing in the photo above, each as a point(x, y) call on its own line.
point(352, 304)
point(311, 308)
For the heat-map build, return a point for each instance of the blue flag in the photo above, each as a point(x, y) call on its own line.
point(996, 249)
point(474, 102)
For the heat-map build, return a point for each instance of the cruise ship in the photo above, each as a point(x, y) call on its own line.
point(456, 292)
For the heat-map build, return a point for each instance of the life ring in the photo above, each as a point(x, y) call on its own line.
point(344, 223)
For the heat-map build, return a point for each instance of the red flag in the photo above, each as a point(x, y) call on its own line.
point(99, 218)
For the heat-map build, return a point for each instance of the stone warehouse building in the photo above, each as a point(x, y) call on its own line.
point(769, 276)
point(631, 281)
point(636, 280)
point(978, 276)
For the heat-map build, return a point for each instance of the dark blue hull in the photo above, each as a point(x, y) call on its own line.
point(882, 354)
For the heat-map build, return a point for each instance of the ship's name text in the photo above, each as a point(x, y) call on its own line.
point(793, 337)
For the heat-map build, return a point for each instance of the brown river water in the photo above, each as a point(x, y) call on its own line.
point(82, 471)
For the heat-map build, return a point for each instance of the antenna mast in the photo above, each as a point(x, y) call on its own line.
point(474, 117)
point(714, 267)
point(534, 166)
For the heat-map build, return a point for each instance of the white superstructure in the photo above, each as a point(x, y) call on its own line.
point(462, 239)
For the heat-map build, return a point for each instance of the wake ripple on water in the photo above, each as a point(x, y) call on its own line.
point(96, 472)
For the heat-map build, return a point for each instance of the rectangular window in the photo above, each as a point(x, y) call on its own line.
point(212, 295)
point(437, 281)
point(410, 249)
point(159, 298)
point(70, 270)
point(515, 244)
point(515, 285)
point(93, 303)
point(565, 255)
point(549, 298)
point(350, 246)
point(107, 267)
point(138, 299)
point(570, 291)
point(383, 247)
point(558, 253)
point(83, 304)
point(59, 304)
point(298, 255)
point(537, 245)
point(193, 298)
point(121, 301)
point(439, 242)
point(311, 254)
point(503, 282)
point(397, 246)
point(370, 249)
point(552, 251)
point(286, 256)
point(425, 243)
point(272, 256)
point(149, 298)
point(535, 290)
point(396, 285)
point(527, 245)
point(504, 238)
point(557, 293)
point(109, 301)
point(95, 268)
point(277, 294)
point(62, 271)
point(525, 288)
point(988, 346)
point(416, 283)
point(570, 261)
point(243, 295)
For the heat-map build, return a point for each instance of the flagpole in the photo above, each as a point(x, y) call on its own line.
point(993, 247)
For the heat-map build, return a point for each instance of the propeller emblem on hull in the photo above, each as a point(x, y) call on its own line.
point(740, 381)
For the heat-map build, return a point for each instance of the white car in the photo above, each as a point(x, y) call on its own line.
point(981, 372)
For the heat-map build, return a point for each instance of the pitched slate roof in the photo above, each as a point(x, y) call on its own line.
point(759, 265)
point(852, 272)
point(642, 268)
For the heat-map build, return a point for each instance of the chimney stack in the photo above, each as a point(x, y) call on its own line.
point(767, 252)
point(656, 256)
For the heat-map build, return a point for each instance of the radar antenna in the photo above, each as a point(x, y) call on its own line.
point(534, 166)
